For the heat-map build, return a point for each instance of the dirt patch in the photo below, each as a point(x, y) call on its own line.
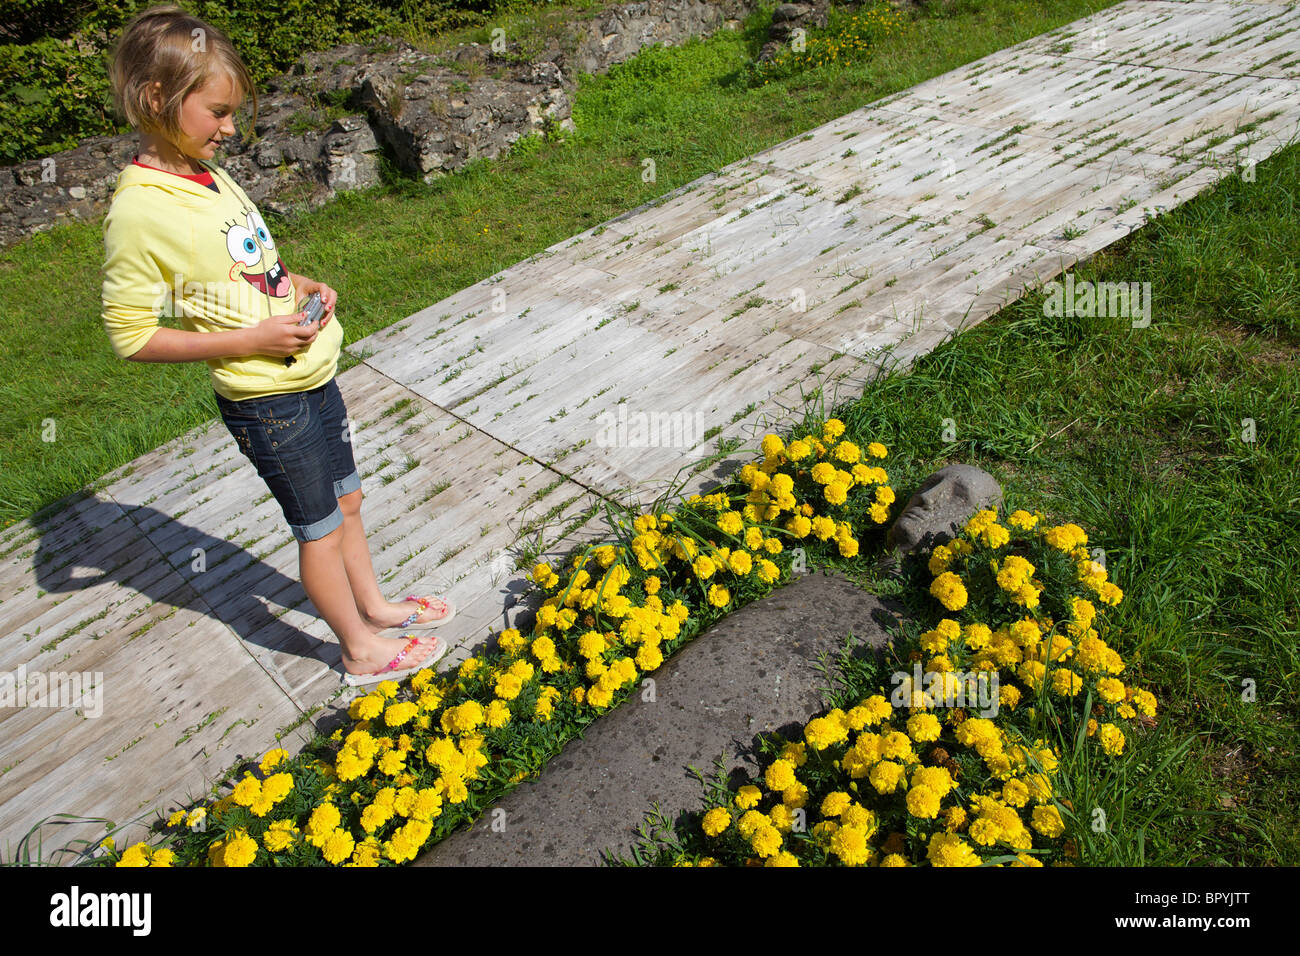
point(1256, 346)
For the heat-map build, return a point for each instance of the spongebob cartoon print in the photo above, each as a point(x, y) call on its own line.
point(254, 257)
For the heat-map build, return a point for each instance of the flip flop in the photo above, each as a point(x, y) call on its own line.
point(410, 625)
point(393, 671)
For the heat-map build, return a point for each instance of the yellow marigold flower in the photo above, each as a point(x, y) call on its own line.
point(1065, 537)
point(719, 596)
point(649, 657)
point(766, 840)
point(846, 452)
point(238, 850)
point(877, 450)
point(162, 857)
point(795, 795)
point(1047, 821)
point(1110, 690)
point(747, 797)
point(750, 821)
point(716, 821)
point(1066, 682)
point(784, 858)
point(878, 709)
point(322, 820)
point(508, 686)
point(923, 802)
point(848, 547)
point(850, 845)
point(273, 759)
point(923, 728)
point(886, 775)
point(399, 714)
point(1112, 739)
point(895, 745)
point(779, 775)
point(366, 708)
point(137, 855)
point(731, 522)
point(367, 853)
point(937, 779)
point(835, 493)
point(247, 791)
point(772, 445)
point(940, 558)
point(994, 535)
point(704, 567)
point(1015, 792)
point(498, 714)
point(835, 803)
point(832, 429)
point(823, 528)
point(794, 752)
point(600, 697)
point(1022, 519)
point(950, 591)
point(1109, 593)
point(821, 733)
point(823, 472)
point(947, 849)
point(375, 816)
point(740, 562)
point(1145, 702)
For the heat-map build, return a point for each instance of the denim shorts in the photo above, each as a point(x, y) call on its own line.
point(301, 446)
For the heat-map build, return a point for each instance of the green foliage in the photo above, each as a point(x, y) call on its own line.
point(54, 88)
point(850, 37)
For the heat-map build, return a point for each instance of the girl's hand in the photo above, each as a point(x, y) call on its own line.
point(281, 335)
point(327, 296)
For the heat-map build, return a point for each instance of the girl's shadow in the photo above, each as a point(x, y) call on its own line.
point(151, 553)
point(145, 550)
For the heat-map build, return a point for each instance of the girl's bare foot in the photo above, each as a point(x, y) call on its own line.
point(395, 615)
point(379, 653)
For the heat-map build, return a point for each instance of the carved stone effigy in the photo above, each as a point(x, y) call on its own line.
point(942, 506)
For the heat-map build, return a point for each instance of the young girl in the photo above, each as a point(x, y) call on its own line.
point(180, 234)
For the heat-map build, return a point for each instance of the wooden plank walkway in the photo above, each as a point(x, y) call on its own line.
point(494, 420)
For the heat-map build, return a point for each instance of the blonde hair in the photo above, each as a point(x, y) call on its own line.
point(168, 46)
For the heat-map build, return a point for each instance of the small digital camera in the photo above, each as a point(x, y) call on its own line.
point(314, 308)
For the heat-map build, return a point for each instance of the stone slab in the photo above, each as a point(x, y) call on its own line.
point(754, 672)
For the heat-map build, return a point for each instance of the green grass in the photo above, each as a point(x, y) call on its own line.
point(1137, 435)
point(1133, 433)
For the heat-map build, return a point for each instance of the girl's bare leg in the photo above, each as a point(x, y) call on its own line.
point(325, 579)
point(375, 610)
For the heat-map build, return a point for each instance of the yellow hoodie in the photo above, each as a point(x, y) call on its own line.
point(173, 246)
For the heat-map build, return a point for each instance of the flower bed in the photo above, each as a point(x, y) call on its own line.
point(428, 755)
point(911, 774)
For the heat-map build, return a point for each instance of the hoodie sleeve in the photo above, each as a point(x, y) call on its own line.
point(134, 289)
